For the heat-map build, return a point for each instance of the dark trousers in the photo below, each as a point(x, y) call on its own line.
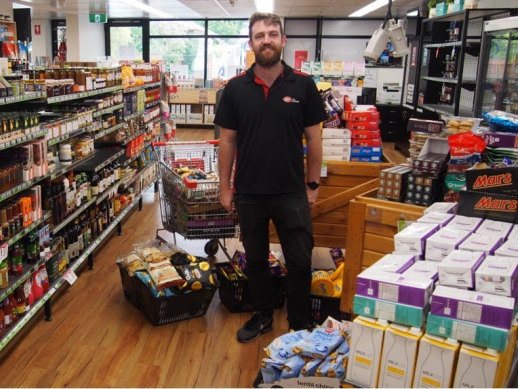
point(291, 216)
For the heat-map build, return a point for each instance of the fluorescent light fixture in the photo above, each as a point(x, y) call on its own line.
point(264, 5)
point(413, 13)
point(22, 4)
point(369, 8)
point(146, 8)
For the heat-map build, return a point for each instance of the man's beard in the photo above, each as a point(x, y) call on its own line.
point(269, 61)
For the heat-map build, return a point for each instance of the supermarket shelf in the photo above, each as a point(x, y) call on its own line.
point(138, 175)
point(64, 169)
point(73, 215)
point(139, 87)
point(16, 281)
point(82, 95)
point(408, 106)
point(445, 44)
point(153, 121)
point(152, 104)
point(123, 142)
point(469, 80)
point(128, 160)
point(107, 131)
point(25, 97)
point(106, 192)
point(28, 229)
point(107, 110)
point(62, 138)
point(441, 79)
point(22, 186)
point(102, 158)
point(55, 287)
point(133, 115)
point(26, 138)
point(445, 109)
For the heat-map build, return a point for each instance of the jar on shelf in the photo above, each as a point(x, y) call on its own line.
point(65, 154)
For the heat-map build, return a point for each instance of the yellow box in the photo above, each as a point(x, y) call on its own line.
point(436, 362)
point(399, 356)
point(365, 351)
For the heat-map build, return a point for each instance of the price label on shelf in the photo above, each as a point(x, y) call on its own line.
point(70, 276)
point(4, 250)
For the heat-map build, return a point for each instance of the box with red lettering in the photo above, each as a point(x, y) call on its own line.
point(498, 180)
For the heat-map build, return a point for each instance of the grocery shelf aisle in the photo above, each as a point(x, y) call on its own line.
point(98, 339)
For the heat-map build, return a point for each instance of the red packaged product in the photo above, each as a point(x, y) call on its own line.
point(365, 134)
point(362, 116)
point(369, 126)
point(373, 142)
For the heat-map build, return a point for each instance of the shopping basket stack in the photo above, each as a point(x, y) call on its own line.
point(189, 191)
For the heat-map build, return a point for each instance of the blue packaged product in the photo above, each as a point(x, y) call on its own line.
point(282, 347)
point(320, 343)
point(293, 366)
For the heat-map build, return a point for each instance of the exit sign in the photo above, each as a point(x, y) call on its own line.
point(97, 18)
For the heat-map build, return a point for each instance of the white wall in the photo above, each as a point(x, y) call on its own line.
point(6, 8)
point(41, 44)
point(497, 3)
point(85, 40)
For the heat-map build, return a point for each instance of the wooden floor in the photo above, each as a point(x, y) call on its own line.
point(98, 339)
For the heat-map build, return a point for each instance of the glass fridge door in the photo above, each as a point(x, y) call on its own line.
point(494, 85)
point(510, 86)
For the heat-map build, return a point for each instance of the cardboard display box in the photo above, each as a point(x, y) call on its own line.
point(488, 205)
point(498, 180)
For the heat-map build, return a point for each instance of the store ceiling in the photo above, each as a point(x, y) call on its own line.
point(208, 8)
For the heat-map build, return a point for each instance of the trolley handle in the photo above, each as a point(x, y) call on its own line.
point(201, 142)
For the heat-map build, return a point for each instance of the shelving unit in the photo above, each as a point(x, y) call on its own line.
point(450, 56)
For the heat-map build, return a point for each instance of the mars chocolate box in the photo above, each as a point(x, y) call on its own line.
point(488, 205)
point(498, 180)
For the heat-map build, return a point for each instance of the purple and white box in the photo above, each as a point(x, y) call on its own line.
point(458, 268)
point(475, 307)
point(498, 275)
point(443, 242)
point(394, 263)
point(465, 223)
point(436, 218)
point(508, 249)
point(493, 227)
point(394, 287)
point(412, 239)
point(514, 233)
point(441, 207)
point(480, 242)
point(426, 269)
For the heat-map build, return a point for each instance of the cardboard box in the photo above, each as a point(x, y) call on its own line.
point(497, 180)
point(443, 242)
point(304, 382)
point(362, 116)
point(465, 223)
point(358, 151)
point(336, 158)
point(425, 126)
point(476, 307)
point(476, 367)
point(458, 268)
point(394, 287)
point(425, 269)
point(481, 242)
point(491, 206)
point(441, 207)
point(336, 142)
point(365, 351)
point(386, 310)
point(333, 133)
point(432, 157)
point(399, 356)
point(498, 275)
point(194, 118)
point(369, 126)
point(506, 359)
point(492, 227)
point(473, 333)
point(514, 233)
point(336, 150)
point(372, 158)
point(501, 139)
point(435, 365)
point(412, 239)
point(508, 249)
point(373, 142)
point(394, 263)
point(365, 134)
point(436, 218)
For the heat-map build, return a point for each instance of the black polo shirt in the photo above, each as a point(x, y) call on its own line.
point(270, 124)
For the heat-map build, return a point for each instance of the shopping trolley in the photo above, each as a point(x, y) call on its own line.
point(189, 193)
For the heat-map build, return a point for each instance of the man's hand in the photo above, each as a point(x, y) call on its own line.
point(312, 195)
point(226, 197)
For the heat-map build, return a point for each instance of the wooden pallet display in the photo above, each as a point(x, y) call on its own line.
point(372, 225)
point(344, 181)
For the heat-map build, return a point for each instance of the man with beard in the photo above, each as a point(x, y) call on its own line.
point(264, 114)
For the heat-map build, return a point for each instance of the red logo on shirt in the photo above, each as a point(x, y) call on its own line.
point(288, 99)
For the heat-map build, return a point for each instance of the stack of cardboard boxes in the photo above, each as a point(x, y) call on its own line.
point(365, 134)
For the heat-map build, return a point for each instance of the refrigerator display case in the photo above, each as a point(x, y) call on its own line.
point(497, 87)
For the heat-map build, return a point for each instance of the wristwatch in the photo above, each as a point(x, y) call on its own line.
point(313, 185)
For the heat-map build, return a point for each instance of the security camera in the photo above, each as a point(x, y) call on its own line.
point(379, 39)
point(376, 44)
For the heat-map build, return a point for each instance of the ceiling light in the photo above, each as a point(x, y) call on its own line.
point(264, 6)
point(413, 13)
point(146, 8)
point(369, 8)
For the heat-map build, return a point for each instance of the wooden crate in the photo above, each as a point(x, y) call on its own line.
point(372, 225)
point(344, 181)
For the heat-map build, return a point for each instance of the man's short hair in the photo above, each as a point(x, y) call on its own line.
point(267, 17)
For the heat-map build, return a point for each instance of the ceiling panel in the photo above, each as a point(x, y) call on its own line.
point(209, 8)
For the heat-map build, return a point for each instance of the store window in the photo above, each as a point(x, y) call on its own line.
point(228, 27)
point(126, 43)
point(226, 57)
point(183, 56)
point(177, 27)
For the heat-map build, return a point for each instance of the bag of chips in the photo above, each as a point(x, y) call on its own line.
point(320, 343)
point(310, 368)
point(164, 275)
point(197, 275)
point(282, 347)
point(292, 367)
point(271, 370)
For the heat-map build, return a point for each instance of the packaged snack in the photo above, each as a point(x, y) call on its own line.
point(163, 274)
point(333, 366)
point(292, 367)
point(282, 347)
point(270, 370)
point(320, 343)
point(310, 368)
point(197, 275)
